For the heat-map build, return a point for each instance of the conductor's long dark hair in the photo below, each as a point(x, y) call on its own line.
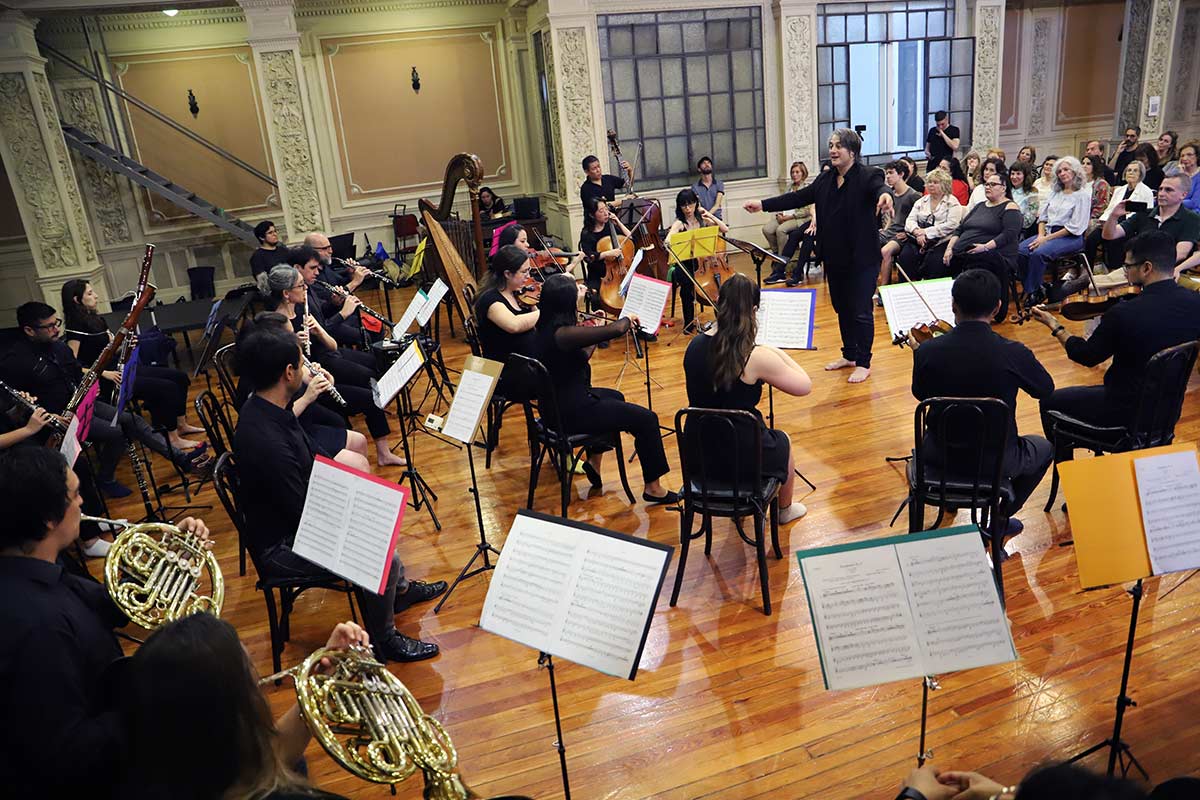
point(737, 328)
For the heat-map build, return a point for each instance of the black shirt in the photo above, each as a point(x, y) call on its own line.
point(1183, 225)
point(61, 738)
point(974, 361)
point(346, 331)
point(92, 340)
point(47, 370)
point(916, 183)
point(938, 149)
point(985, 223)
point(274, 460)
point(1163, 315)
point(852, 238)
point(496, 342)
point(607, 188)
point(589, 242)
point(261, 260)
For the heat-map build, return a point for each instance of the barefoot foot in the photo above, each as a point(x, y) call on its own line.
point(390, 459)
point(179, 443)
point(189, 430)
point(841, 363)
point(859, 375)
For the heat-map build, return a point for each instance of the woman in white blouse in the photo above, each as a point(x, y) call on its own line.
point(1045, 182)
point(932, 219)
point(1135, 189)
point(1062, 221)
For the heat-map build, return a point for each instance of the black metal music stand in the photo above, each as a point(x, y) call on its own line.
point(545, 660)
point(1118, 749)
point(421, 491)
point(483, 548)
point(757, 254)
point(929, 682)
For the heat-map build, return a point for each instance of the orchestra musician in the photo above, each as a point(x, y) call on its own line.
point(566, 348)
point(690, 215)
point(724, 368)
point(56, 640)
point(1163, 315)
point(274, 459)
point(491, 205)
point(269, 252)
point(598, 184)
point(851, 193)
point(506, 325)
point(599, 222)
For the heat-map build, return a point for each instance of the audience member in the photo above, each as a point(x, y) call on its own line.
point(971, 164)
point(958, 182)
point(1169, 216)
point(991, 166)
point(941, 141)
point(1132, 188)
point(986, 238)
point(1123, 154)
point(709, 189)
point(1189, 156)
point(1020, 177)
point(1095, 147)
point(1094, 182)
point(932, 219)
point(1045, 180)
point(894, 234)
point(914, 181)
point(1028, 154)
point(1164, 149)
point(1062, 222)
point(777, 227)
point(1146, 154)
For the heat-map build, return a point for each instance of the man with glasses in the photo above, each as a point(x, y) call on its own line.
point(1130, 333)
point(41, 363)
point(339, 310)
point(1169, 216)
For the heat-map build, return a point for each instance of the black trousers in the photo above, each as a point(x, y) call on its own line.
point(799, 239)
point(113, 439)
point(164, 392)
point(851, 287)
point(1111, 252)
point(352, 372)
point(1027, 471)
point(687, 292)
point(992, 261)
point(1084, 403)
point(378, 609)
point(609, 413)
point(922, 264)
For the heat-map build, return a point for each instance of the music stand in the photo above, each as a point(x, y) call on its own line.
point(757, 254)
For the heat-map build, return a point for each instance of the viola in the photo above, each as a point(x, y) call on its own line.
point(1086, 305)
point(921, 333)
point(529, 293)
point(551, 259)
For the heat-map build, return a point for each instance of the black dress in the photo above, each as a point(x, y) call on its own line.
point(741, 396)
point(498, 344)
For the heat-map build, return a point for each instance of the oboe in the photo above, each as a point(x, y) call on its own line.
point(334, 393)
point(55, 423)
point(363, 307)
point(382, 277)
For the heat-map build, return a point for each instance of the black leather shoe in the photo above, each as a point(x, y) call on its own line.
point(418, 592)
point(403, 648)
point(593, 475)
point(777, 276)
point(670, 498)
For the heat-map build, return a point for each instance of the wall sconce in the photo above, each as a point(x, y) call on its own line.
point(193, 106)
point(416, 81)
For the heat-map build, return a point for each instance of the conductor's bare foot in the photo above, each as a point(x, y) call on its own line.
point(841, 363)
point(859, 375)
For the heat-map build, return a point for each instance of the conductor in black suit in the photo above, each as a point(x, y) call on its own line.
point(848, 198)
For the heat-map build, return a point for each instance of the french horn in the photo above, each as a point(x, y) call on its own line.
point(156, 573)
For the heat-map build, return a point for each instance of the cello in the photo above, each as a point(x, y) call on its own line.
point(711, 271)
point(647, 232)
point(616, 268)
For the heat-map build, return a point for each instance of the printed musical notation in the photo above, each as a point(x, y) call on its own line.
point(903, 607)
point(470, 401)
point(647, 297)
point(785, 318)
point(398, 375)
point(1169, 490)
point(903, 307)
point(576, 591)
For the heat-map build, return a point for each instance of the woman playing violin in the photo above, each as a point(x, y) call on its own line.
point(505, 324)
point(689, 215)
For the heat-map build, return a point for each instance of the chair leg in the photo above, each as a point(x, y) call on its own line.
point(774, 511)
point(760, 553)
point(564, 482)
point(1053, 487)
point(685, 538)
point(273, 622)
point(916, 512)
point(621, 470)
point(535, 467)
point(489, 431)
point(287, 601)
point(998, 554)
point(707, 523)
point(241, 558)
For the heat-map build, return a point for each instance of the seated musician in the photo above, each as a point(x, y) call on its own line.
point(286, 289)
point(601, 185)
point(690, 215)
point(598, 223)
point(42, 365)
point(491, 205)
point(974, 361)
point(1163, 315)
point(506, 325)
point(270, 252)
point(163, 390)
point(274, 460)
point(194, 678)
point(56, 640)
point(566, 348)
point(724, 368)
point(349, 274)
point(319, 416)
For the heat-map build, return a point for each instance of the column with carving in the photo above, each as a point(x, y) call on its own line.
point(577, 116)
point(1158, 67)
point(989, 49)
point(276, 45)
point(798, 30)
point(1134, 43)
point(39, 169)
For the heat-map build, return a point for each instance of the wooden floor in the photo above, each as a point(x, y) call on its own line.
point(729, 702)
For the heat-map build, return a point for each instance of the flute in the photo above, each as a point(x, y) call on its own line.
point(363, 307)
point(307, 343)
point(334, 393)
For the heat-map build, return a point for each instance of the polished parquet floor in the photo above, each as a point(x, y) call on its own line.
point(729, 703)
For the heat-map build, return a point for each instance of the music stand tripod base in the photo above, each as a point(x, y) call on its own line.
point(483, 548)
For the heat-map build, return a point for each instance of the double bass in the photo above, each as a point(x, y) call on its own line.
point(647, 231)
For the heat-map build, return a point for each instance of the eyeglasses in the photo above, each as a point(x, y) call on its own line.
point(1129, 265)
point(993, 183)
point(326, 247)
point(48, 326)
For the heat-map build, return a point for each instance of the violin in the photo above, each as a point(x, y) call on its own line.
point(921, 333)
point(551, 259)
point(529, 293)
point(1086, 305)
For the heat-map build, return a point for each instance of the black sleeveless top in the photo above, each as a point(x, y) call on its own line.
point(698, 370)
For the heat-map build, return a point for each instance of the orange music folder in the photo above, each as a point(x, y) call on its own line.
point(1106, 516)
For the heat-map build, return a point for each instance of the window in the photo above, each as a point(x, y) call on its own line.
point(539, 56)
point(686, 84)
point(890, 66)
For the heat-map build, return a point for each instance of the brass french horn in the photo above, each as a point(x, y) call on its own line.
point(156, 573)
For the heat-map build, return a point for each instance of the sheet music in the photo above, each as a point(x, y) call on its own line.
point(576, 592)
point(1169, 490)
point(71, 446)
point(470, 399)
point(436, 293)
point(904, 308)
point(785, 318)
point(903, 607)
point(410, 314)
point(637, 259)
point(956, 609)
point(350, 523)
point(647, 298)
point(398, 375)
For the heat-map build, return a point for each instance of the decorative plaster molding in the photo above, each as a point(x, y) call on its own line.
point(1158, 65)
point(800, 109)
point(989, 34)
point(54, 138)
point(575, 92)
point(293, 155)
point(337, 8)
point(1038, 79)
point(148, 21)
point(1189, 34)
point(103, 187)
point(1133, 61)
point(32, 178)
point(555, 126)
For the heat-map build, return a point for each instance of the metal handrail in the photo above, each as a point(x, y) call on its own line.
point(154, 112)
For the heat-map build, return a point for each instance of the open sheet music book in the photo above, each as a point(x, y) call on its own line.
point(903, 607)
point(474, 391)
point(398, 375)
point(410, 314)
point(576, 591)
point(904, 309)
point(350, 523)
point(436, 292)
point(785, 318)
point(647, 298)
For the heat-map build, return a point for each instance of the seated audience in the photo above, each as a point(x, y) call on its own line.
point(893, 234)
point(959, 186)
point(914, 181)
point(1027, 154)
point(1189, 164)
point(1123, 153)
point(987, 239)
point(1095, 147)
point(1100, 252)
point(1169, 216)
point(1045, 180)
point(1148, 155)
point(1061, 224)
point(932, 219)
point(1164, 150)
point(972, 162)
point(991, 166)
point(777, 227)
point(1094, 182)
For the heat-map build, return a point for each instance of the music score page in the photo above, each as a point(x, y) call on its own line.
point(785, 318)
point(1169, 493)
point(904, 309)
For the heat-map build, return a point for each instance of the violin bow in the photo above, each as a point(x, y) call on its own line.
point(932, 314)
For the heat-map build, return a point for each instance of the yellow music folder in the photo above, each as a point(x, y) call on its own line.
point(1106, 516)
point(695, 243)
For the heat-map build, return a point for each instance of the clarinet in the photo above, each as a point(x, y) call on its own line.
point(139, 475)
point(55, 423)
point(363, 307)
point(334, 393)
point(382, 277)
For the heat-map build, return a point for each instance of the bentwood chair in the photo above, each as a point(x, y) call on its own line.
point(720, 454)
point(228, 486)
point(1160, 403)
point(223, 362)
point(958, 462)
point(549, 438)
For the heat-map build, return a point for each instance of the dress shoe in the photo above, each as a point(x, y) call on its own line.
point(403, 648)
point(418, 592)
point(670, 498)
